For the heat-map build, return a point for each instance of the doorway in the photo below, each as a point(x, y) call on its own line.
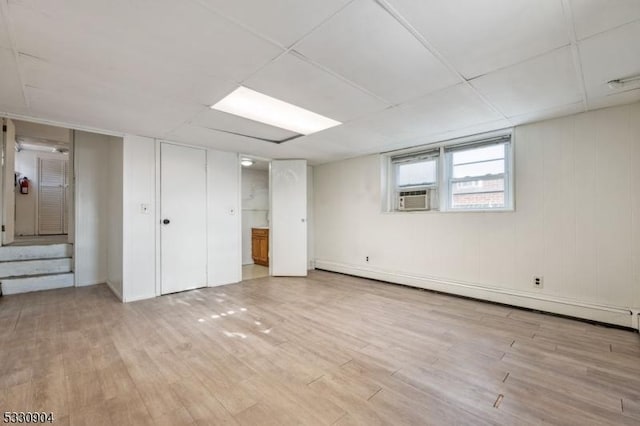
point(274, 217)
point(255, 217)
point(37, 196)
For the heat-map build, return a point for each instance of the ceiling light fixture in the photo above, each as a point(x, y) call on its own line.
point(620, 83)
point(246, 162)
point(256, 106)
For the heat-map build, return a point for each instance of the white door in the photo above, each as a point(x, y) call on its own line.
point(52, 207)
point(288, 236)
point(183, 215)
point(8, 179)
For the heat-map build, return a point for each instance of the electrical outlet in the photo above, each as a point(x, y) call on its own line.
point(538, 282)
point(367, 259)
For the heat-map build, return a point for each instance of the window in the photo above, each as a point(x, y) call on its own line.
point(472, 175)
point(478, 176)
point(416, 180)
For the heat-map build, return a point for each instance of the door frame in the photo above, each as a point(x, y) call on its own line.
point(257, 158)
point(71, 167)
point(7, 218)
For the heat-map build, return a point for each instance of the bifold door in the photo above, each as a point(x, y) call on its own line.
point(183, 213)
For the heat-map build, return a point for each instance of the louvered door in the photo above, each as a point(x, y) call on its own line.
point(51, 196)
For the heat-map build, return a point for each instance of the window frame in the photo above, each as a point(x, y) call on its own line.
point(506, 175)
point(444, 171)
point(412, 158)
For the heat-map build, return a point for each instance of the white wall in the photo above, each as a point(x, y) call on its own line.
point(139, 229)
point(225, 236)
point(91, 154)
point(577, 223)
point(27, 166)
point(255, 206)
point(115, 215)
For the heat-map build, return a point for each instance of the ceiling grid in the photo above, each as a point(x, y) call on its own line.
point(395, 72)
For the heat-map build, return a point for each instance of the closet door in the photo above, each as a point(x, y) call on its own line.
point(288, 218)
point(51, 196)
point(183, 207)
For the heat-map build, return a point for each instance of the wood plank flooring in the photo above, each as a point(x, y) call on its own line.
point(328, 349)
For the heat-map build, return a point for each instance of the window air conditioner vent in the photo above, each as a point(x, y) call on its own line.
point(413, 200)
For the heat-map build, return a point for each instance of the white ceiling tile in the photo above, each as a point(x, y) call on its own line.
point(296, 81)
point(217, 120)
point(152, 67)
point(352, 137)
point(477, 37)
point(450, 134)
point(448, 109)
point(367, 46)
point(181, 35)
point(66, 95)
point(547, 114)
point(201, 136)
point(541, 83)
point(283, 21)
point(11, 96)
point(595, 16)
point(40, 74)
point(620, 98)
point(315, 150)
point(608, 56)
point(167, 82)
point(223, 141)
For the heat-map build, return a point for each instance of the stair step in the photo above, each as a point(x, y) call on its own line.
point(45, 251)
point(36, 283)
point(22, 268)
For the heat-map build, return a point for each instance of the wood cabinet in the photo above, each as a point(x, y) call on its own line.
point(260, 246)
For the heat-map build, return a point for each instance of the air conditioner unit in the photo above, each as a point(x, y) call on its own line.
point(413, 200)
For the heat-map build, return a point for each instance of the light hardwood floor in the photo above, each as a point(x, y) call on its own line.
point(252, 271)
point(328, 349)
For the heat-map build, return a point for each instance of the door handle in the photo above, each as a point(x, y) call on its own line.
point(166, 221)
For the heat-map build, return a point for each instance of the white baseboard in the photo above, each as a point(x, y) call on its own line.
point(617, 315)
point(140, 297)
point(115, 290)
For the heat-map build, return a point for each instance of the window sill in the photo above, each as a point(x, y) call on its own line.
point(512, 210)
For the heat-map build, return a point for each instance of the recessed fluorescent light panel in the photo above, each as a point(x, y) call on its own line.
point(256, 106)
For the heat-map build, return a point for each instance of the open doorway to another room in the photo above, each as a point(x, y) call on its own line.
point(43, 171)
point(255, 218)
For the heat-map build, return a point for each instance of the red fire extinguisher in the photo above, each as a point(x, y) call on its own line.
point(24, 185)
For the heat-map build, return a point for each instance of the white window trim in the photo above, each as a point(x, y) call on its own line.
point(389, 188)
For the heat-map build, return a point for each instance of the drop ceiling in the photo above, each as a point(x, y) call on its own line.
point(397, 73)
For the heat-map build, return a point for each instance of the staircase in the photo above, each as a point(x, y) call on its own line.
point(35, 267)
